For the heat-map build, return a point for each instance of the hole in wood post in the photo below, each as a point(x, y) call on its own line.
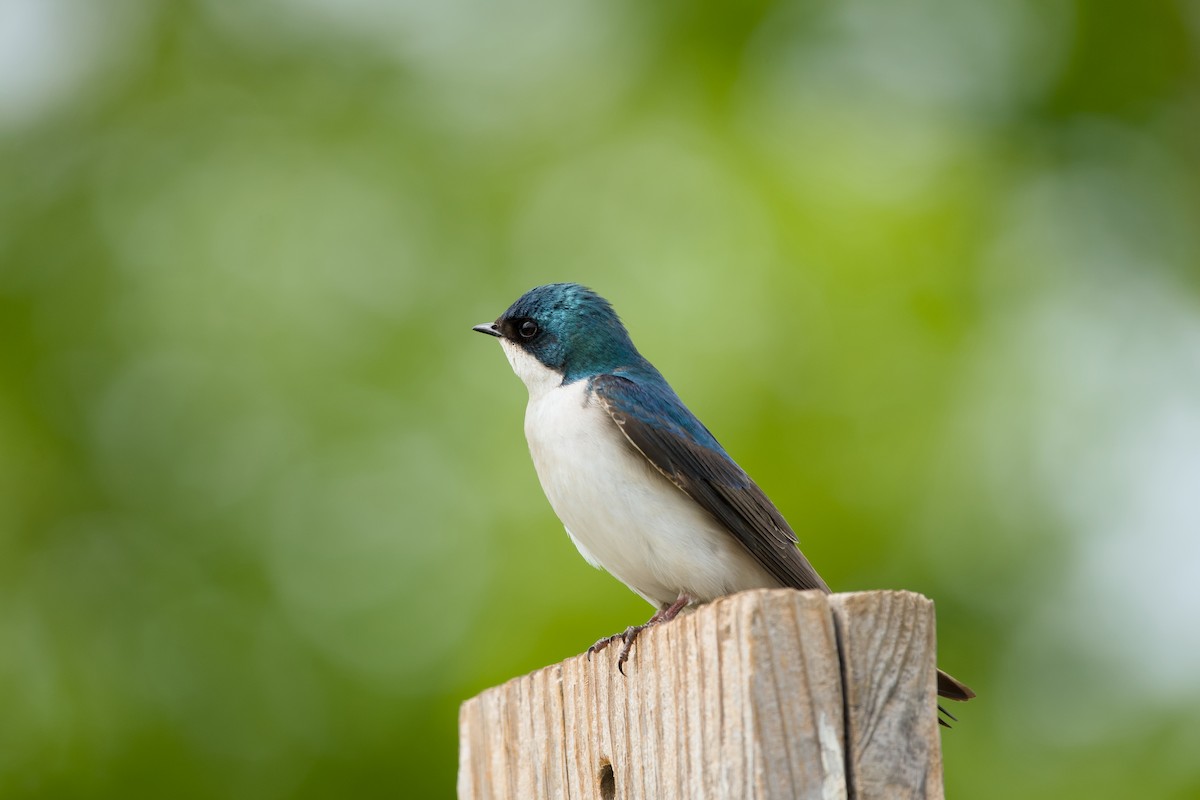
point(608, 782)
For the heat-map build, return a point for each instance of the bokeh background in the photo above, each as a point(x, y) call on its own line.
point(929, 269)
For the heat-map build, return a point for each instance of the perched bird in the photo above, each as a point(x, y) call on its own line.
point(643, 489)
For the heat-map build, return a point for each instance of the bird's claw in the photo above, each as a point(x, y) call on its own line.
point(630, 634)
point(602, 643)
point(627, 637)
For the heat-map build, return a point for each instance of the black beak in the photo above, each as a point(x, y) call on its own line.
point(489, 328)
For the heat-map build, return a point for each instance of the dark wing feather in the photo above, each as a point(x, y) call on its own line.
point(682, 449)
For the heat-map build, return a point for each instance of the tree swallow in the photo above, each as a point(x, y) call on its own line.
point(643, 489)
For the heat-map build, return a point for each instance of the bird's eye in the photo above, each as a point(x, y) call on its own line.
point(528, 329)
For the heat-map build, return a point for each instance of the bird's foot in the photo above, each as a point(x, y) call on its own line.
point(628, 636)
point(605, 642)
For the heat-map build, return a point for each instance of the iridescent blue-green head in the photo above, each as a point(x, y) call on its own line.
point(565, 328)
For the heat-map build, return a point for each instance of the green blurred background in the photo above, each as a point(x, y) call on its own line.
point(929, 270)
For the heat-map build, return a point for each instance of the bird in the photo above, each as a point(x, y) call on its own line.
point(642, 487)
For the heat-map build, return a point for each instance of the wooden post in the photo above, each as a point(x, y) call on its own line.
point(765, 694)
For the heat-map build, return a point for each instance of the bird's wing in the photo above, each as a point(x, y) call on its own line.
point(663, 430)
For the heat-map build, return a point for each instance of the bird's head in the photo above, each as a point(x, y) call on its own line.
point(562, 332)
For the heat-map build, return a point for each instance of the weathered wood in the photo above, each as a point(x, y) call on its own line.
point(889, 656)
point(765, 694)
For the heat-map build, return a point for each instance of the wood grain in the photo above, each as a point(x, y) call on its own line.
point(888, 647)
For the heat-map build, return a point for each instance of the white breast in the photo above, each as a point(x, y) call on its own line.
point(622, 514)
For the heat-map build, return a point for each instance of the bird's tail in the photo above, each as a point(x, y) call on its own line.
point(954, 689)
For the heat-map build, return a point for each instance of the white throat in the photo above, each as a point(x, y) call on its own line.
point(537, 377)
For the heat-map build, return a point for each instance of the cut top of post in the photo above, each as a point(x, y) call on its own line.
point(765, 694)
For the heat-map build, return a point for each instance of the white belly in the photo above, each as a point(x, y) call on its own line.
point(622, 514)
